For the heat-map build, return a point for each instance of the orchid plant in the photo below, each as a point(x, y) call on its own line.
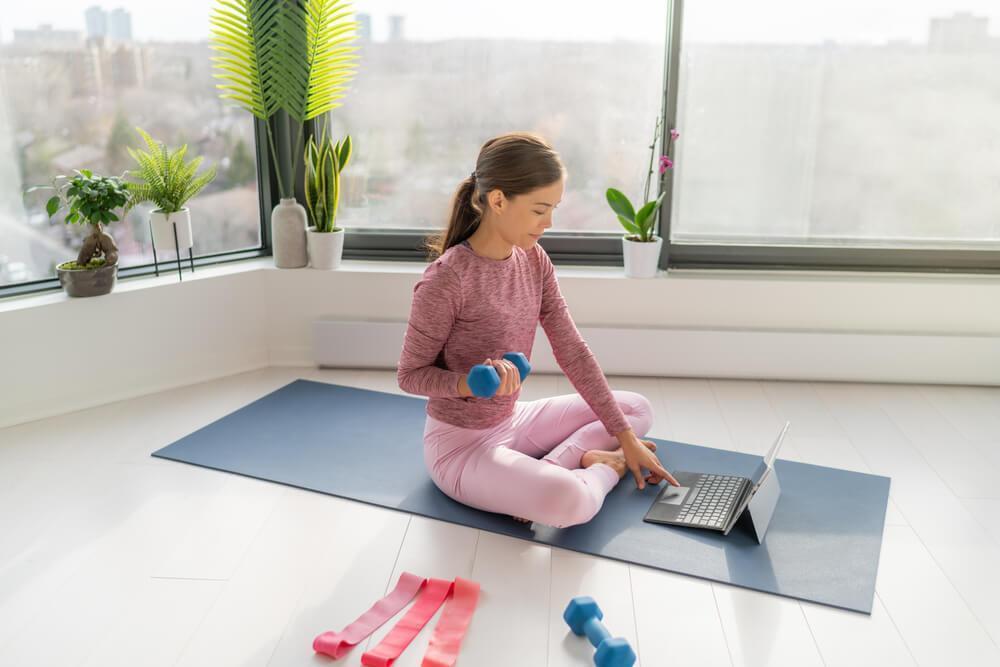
point(640, 223)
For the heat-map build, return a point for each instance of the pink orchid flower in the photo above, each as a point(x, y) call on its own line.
point(674, 134)
point(665, 163)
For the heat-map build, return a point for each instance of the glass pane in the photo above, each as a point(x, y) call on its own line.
point(74, 84)
point(437, 79)
point(839, 123)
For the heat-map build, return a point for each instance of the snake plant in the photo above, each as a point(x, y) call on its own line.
point(167, 180)
point(324, 164)
point(283, 55)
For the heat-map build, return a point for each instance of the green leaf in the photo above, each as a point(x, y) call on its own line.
point(628, 224)
point(310, 56)
point(620, 204)
point(344, 153)
point(51, 206)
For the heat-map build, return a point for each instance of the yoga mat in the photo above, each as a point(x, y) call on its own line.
point(822, 545)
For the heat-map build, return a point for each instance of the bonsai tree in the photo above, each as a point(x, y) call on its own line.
point(167, 180)
point(91, 200)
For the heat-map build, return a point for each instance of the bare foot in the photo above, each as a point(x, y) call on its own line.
point(615, 459)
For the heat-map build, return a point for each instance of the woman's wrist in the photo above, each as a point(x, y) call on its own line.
point(628, 435)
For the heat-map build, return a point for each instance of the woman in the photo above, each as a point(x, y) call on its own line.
point(551, 460)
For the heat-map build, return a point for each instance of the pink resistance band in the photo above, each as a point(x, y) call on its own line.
point(407, 628)
point(450, 629)
point(335, 644)
point(448, 633)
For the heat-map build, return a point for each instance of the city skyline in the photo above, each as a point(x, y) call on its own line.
point(775, 21)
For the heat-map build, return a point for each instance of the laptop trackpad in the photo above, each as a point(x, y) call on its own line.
point(675, 495)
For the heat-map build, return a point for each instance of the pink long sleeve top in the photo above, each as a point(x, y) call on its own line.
point(468, 308)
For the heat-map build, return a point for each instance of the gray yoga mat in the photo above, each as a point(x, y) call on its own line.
point(822, 545)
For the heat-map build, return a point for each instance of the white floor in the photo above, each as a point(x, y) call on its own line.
point(109, 556)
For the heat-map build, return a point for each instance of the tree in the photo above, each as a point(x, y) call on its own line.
point(118, 140)
point(242, 168)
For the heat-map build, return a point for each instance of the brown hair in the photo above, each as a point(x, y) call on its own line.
point(514, 163)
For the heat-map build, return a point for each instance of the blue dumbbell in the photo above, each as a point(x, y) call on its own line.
point(484, 380)
point(584, 617)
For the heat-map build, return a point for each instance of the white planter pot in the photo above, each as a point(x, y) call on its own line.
point(325, 248)
point(161, 228)
point(288, 234)
point(641, 257)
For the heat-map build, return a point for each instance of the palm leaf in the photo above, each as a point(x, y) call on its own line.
point(241, 32)
point(313, 57)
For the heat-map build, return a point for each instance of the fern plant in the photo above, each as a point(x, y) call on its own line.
point(283, 55)
point(167, 180)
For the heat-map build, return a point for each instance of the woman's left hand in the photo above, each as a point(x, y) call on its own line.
point(638, 456)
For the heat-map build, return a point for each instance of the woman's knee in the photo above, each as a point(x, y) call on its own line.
point(567, 502)
point(637, 408)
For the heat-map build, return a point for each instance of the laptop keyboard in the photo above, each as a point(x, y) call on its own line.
point(713, 502)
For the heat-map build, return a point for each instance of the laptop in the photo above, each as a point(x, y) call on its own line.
point(715, 502)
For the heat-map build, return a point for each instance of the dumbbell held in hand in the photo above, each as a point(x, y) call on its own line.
point(584, 617)
point(484, 380)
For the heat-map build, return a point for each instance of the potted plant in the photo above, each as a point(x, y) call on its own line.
point(324, 164)
point(289, 56)
point(91, 200)
point(640, 247)
point(168, 182)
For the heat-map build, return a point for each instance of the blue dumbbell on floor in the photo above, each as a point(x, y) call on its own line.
point(584, 617)
point(484, 380)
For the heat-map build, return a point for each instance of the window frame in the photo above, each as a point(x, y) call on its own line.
point(808, 257)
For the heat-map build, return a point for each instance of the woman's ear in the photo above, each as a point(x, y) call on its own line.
point(497, 200)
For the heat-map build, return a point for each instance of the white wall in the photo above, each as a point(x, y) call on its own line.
point(61, 354)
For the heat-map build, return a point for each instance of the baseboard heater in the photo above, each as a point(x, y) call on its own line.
point(720, 353)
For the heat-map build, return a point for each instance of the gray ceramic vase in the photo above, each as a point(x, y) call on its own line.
point(288, 234)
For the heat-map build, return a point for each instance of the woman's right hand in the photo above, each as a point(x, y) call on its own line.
point(510, 377)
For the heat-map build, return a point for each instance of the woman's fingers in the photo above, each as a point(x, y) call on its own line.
point(660, 470)
point(637, 473)
point(657, 469)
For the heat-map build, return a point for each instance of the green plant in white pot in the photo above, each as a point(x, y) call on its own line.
point(290, 56)
point(324, 164)
point(640, 247)
point(168, 182)
point(91, 200)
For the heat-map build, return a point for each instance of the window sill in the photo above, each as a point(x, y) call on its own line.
point(168, 277)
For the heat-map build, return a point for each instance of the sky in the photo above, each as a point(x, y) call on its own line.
point(776, 21)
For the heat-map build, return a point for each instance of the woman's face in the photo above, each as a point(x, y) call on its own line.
point(522, 219)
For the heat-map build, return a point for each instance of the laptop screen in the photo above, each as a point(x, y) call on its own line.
point(768, 461)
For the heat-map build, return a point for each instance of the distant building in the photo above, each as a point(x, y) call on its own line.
point(365, 29)
point(115, 26)
point(120, 27)
point(396, 28)
point(44, 38)
point(97, 21)
point(960, 33)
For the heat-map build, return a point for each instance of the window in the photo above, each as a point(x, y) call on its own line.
point(437, 79)
point(74, 84)
point(846, 124)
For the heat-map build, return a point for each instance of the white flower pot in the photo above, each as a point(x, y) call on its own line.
point(642, 258)
point(325, 248)
point(161, 227)
point(288, 234)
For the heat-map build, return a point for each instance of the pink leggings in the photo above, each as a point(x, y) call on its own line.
point(529, 464)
